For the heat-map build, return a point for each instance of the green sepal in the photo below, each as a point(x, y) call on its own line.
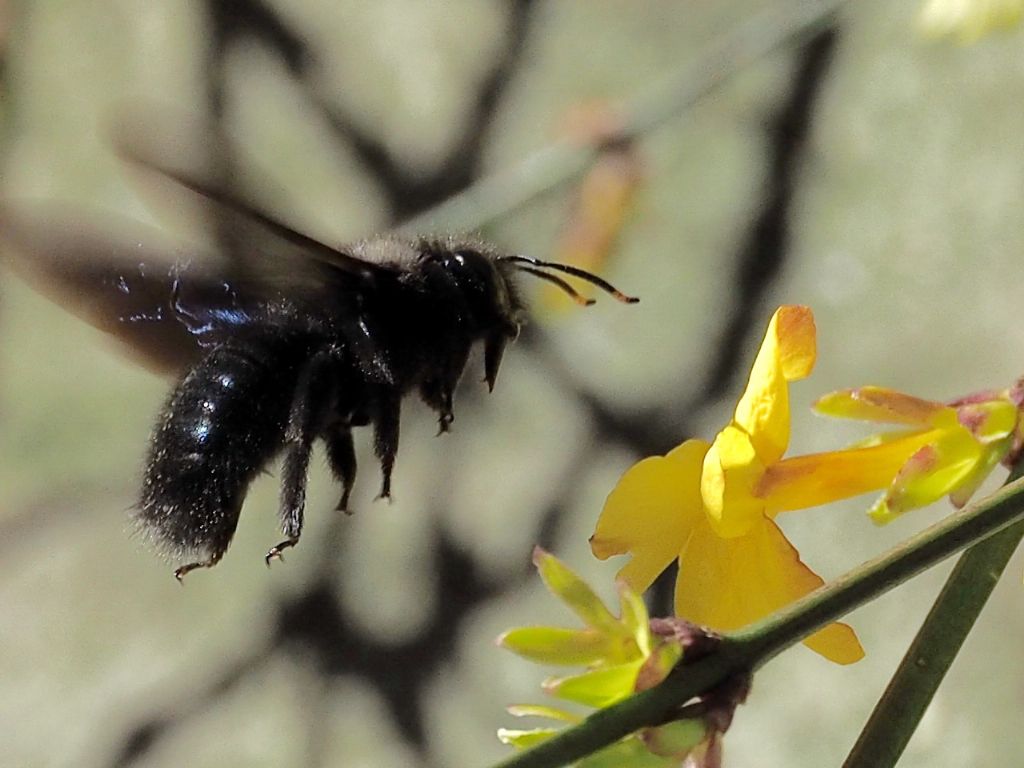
point(558, 645)
point(576, 593)
point(525, 739)
point(597, 688)
point(628, 753)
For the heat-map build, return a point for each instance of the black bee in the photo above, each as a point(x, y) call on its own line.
point(280, 351)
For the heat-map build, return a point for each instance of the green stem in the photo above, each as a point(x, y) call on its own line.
point(898, 712)
point(755, 645)
point(499, 194)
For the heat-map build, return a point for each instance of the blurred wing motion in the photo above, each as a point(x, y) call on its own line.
point(168, 303)
point(118, 277)
point(176, 157)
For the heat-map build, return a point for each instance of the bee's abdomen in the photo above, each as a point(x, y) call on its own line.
point(222, 424)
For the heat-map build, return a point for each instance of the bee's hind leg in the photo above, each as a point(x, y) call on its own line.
point(308, 405)
point(293, 496)
point(341, 455)
point(179, 573)
point(276, 552)
point(385, 436)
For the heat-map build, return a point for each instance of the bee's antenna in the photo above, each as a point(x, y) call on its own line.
point(583, 301)
point(575, 272)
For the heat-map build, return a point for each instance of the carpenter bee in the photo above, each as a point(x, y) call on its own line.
point(303, 342)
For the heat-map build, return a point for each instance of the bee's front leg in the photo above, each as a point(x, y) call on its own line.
point(438, 391)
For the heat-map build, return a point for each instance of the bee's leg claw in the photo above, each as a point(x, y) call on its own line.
point(343, 506)
point(179, 573)
point(277, 552)
point(385, 486)
point(386, 439)
point(444, 423)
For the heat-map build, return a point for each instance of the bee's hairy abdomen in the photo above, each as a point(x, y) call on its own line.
point(223, 423)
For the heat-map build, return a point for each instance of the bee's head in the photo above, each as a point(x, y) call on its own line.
point(490, 305)
point(486, 284)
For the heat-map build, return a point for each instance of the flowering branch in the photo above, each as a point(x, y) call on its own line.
point(898, 712)
point(750, 648)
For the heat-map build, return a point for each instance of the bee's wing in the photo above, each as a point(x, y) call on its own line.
point(275, 259)
point(178, 156)
point(122, 278)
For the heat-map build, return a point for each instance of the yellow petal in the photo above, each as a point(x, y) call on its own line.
point(800, 482)
point(989, 421)
point(650, 513)
point(731, 473)
point(787, 354)
point(991, 455)
point(881, 405)
point(837, 642)
point(935, 470)
point(967, 21)
point(729, 583)
point(880, 438)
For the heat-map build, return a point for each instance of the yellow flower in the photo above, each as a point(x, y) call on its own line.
point(960, 443)
point(712, 506)
point(968, 20)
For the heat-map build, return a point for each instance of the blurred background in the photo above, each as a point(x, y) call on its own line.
point(837, 160)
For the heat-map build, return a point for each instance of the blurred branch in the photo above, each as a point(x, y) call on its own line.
point(7, 100)
point(505, 191)
point(406, 191)
point(61, 500)
point(232, 19)
point(462, 165)
point(319, 625)
point(657, 429)
point(138, 742)
point(763, 251)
